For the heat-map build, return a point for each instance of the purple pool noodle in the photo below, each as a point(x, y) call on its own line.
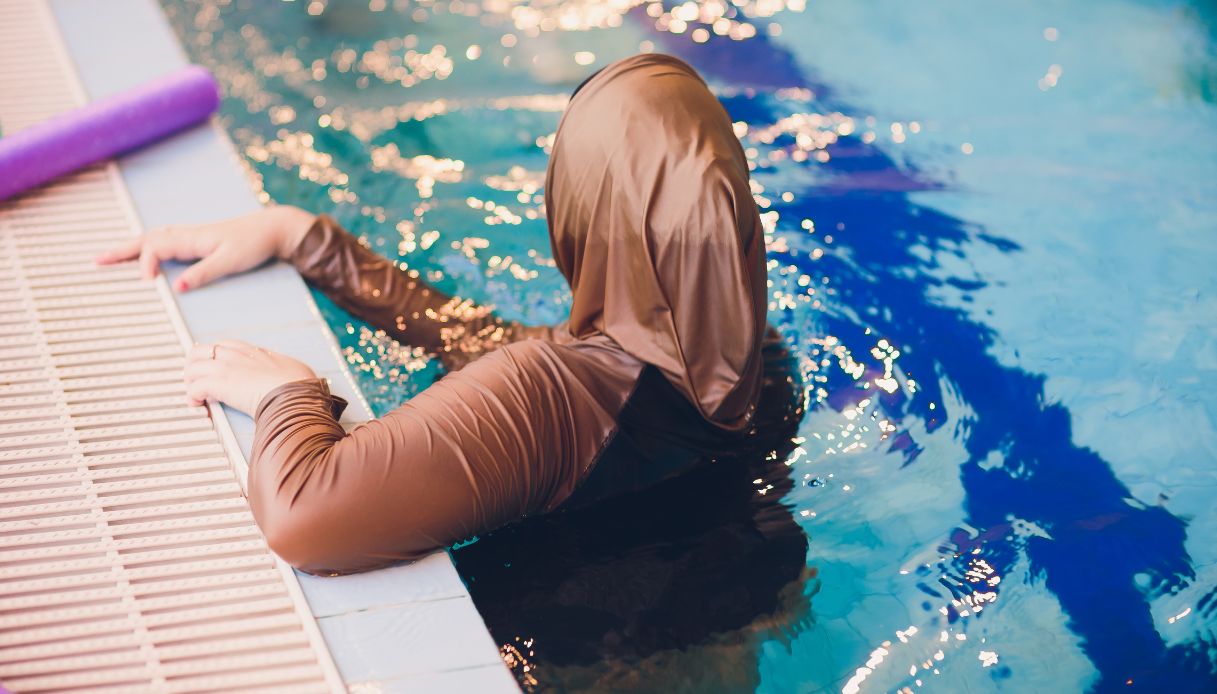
point(105, 128)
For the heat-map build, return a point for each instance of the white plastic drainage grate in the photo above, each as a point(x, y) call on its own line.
point(129, 560)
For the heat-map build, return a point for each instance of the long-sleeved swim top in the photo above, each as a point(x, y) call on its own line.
point(661, 363)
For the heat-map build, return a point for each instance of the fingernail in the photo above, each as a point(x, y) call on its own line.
point(181, 285)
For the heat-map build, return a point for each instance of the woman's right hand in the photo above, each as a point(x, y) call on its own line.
point(223, 248)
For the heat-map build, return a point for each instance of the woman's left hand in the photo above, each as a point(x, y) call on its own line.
point(238, 374)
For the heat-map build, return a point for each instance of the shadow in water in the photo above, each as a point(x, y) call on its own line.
point(612, 596)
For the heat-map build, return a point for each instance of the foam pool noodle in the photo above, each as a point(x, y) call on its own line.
point(105, 128)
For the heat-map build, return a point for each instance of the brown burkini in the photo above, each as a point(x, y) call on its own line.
point(653, 224)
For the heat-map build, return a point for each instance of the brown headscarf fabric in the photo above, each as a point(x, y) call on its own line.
point(653, 223)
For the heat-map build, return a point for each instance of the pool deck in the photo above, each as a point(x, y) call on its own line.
point(410, 627)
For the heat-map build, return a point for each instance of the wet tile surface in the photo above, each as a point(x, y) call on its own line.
point(431, 578)
point(415, 638)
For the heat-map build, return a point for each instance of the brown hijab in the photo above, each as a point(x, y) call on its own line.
point(653, 224)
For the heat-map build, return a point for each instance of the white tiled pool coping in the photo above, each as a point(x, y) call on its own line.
point(411, 627)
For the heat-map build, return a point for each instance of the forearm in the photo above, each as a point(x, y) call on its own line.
point(374, 289)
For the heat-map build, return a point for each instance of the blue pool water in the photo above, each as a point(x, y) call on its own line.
point(991, 241)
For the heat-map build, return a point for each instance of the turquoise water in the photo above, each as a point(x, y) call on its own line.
point(991, 241)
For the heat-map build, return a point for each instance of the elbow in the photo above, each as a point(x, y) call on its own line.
point(321, 525)
point(324, 542)
point(289, 540)
point(297, 527)
point(299, 520)
point(315, 547)
point(299, 537)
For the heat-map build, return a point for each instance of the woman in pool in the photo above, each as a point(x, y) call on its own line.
point(660, 364)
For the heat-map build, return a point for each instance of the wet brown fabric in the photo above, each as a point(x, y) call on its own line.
point(653, 225)
point(408, 309)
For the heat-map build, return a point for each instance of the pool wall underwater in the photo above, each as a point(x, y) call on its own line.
point(990, 238)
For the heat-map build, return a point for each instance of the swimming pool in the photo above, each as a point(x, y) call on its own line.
point(990, 245)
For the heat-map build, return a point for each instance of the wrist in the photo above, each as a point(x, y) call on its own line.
point(290, 225)
point(315, 389)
